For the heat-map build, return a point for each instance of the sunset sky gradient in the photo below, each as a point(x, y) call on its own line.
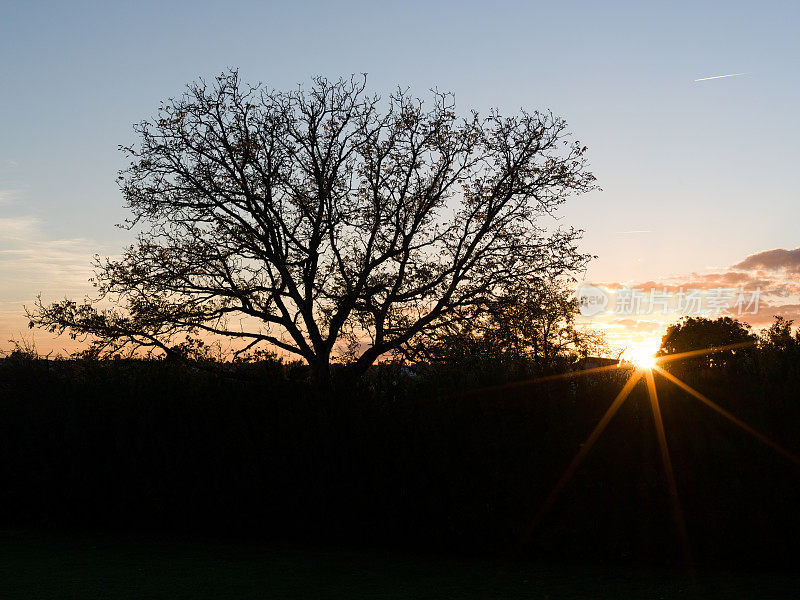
point(698, 178)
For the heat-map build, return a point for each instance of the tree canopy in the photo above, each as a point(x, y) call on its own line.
point(724, 336)
point(326, 220)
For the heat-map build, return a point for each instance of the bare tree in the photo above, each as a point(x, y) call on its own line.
point(324, 217)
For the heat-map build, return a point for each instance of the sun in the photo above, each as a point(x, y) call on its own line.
point(642, 355)
point(643, 360)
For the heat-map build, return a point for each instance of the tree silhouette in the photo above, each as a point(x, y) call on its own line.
point(324, 220)
point(778, 336)
point(532, 320)
point(701, 333)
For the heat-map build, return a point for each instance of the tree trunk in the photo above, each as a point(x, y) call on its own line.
point(321, 378)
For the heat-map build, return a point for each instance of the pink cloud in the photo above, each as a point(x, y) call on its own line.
point(772, 260)
point(774, 273)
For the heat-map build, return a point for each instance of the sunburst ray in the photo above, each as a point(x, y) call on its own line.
point(677, 511)
point(535, 380)
point(584, 450)
point(704, 352)
point(738, 422)
point(637, 374)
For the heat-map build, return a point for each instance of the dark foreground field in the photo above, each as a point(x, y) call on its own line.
point(102, 567)
point(407, 466)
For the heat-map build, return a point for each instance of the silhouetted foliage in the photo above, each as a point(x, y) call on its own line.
point(779, 358)
point(326, 221)
point(778, 337)
point(700, 333)
point(531, 321)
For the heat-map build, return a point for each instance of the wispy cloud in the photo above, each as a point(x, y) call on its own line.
point(9, 191)
point(31, 261)
point(8, 196)
point(17, 228)
point(720, 76)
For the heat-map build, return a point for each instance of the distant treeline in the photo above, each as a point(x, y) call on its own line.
point(410, 458)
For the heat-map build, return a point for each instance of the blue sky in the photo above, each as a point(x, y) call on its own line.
point(706, 169)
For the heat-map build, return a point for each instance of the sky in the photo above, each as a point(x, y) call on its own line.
point(698, 177)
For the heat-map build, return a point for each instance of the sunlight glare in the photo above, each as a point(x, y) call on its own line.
point(642, 355)
point(643, 361)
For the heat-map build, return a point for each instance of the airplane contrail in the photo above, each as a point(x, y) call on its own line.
point(720, 76)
